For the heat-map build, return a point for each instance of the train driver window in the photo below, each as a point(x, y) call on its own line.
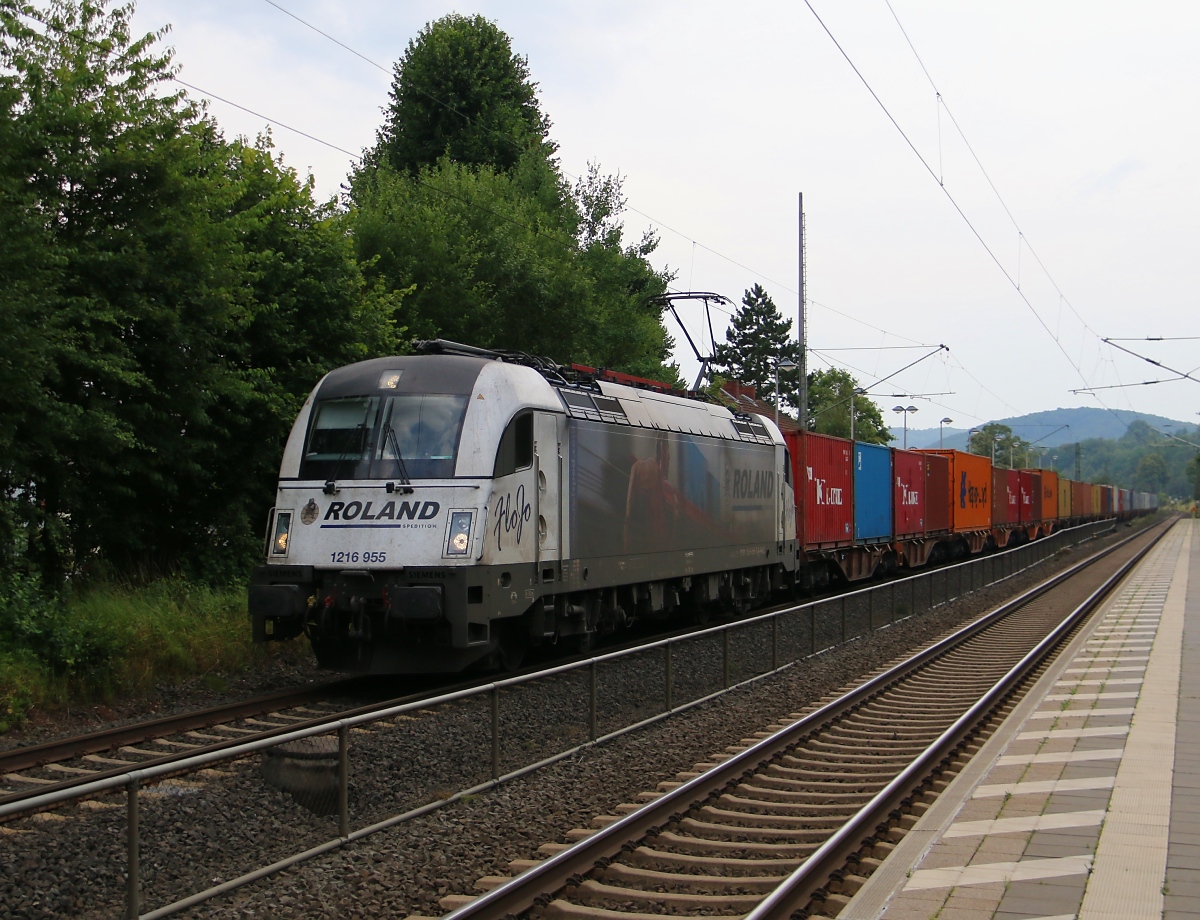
point(516, 446)
point(787, 466)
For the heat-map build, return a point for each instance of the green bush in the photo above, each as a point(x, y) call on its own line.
point(113, 639)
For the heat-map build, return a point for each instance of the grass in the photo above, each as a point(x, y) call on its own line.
point(114, 640)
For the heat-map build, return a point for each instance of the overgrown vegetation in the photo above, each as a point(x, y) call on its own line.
point(169, 297)
point(115, 639)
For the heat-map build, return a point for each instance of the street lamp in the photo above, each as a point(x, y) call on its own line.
point(854, 391)
point(783, 364)
point(995, 441)
point(971, 434)
point(1054, 462)
point(906, 412)
point(945, 421)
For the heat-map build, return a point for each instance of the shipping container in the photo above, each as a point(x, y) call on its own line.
point(970, 490)
point(1106, 501)
point(908, 493)
point(1081, 499)
point(823, 473)
point(1064, 498)
point(872, 493)
point(1097, 501)
point(1049, 495)
point(1030, 484)
point(937, 497)
point(999, 496)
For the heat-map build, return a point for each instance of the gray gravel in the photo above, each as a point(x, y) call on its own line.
point(200, 830)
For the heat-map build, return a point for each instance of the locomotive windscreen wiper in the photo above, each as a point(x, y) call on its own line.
point(404, 480)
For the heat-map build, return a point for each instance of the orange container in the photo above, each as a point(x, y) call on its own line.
point(1081, 499)
point(970, 490)
point(1049, 495)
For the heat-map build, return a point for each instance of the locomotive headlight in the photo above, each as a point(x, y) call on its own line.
point(283, 527)
point(458, 540)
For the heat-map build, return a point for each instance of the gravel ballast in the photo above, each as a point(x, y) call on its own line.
point(204, 829)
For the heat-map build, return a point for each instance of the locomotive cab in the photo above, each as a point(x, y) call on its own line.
point(376, 545)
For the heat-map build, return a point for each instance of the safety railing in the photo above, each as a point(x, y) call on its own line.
point(190, 828)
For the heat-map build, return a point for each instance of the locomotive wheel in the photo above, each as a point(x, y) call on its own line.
point(512, 643)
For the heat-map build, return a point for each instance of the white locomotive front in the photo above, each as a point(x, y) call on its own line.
point(454, 507)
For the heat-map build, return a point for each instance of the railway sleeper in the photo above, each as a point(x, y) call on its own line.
point(653, 879)
point(816, 770)
point(713, 847)
point(815, 780)
point(565, 910)
point(650, 858)
point(738, 833)
point(591, 891)
point(847, 759)
point(900, 741)
point(774, 806)
point(783, 823)
point(813, 797)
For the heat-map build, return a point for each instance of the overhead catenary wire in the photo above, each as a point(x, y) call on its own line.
point(962, 214)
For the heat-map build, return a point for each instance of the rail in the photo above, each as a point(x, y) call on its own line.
point(795, 634)
point(520, 894)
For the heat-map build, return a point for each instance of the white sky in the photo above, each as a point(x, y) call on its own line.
point(1083, 113)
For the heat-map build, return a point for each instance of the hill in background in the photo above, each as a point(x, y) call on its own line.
point(1040, 427)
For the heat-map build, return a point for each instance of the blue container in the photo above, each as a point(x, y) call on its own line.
point(872, 493)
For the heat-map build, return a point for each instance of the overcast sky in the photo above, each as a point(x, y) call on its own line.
point(1084, 115)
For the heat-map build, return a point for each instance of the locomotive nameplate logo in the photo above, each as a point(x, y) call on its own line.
point(309, 512)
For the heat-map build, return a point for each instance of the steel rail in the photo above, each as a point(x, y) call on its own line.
point(800, 887)
point(36, 755)
point(568, 866)
point(105, 739)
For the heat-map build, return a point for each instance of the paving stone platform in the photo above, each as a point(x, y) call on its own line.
point(1086, 803)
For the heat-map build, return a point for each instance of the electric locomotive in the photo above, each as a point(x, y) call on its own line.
point(455, 507)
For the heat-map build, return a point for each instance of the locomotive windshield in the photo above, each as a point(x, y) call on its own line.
point(358, 437)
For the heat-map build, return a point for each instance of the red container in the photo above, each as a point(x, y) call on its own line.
point(1013, 484)
point(1049, 495)
point(908, 494)
point(1031, 496)
point(999, 497)
point(1081, 499)
point(937, 497)
point(823, 472)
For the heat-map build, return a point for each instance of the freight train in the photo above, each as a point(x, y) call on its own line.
point(453, 508)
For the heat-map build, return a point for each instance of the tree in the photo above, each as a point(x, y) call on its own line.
point(1151, 473)
point(829, 393)
point(460, 92)
point(192, 293)
point(1008, 446)
point(479, 225)
point(758, 338)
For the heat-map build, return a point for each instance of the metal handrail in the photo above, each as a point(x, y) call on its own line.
point(132, 780)
point(520, 893)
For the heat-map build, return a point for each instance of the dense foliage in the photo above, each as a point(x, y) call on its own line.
point(462, 204)
point(171, 296)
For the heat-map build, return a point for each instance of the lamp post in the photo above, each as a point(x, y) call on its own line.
point(995, 441)
point(941, 443)
point(971, 434)
point(906, 412)
point(1054, 462)
point(783, 364)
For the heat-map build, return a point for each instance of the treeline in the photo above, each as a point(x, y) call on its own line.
point(169, 296)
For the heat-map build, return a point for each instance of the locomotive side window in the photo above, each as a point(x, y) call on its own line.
point(516, 446)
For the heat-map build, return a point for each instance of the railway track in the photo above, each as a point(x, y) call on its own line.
point(34, 770)
point(793, 819)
